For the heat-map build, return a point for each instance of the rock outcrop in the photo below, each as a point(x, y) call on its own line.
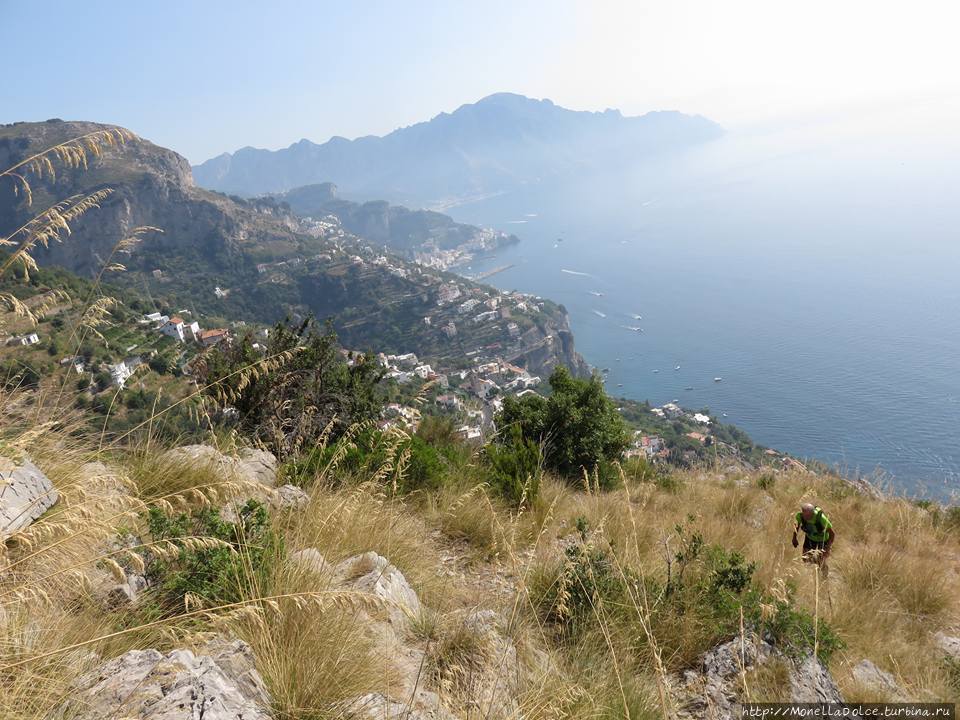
point(949, 644)
point(249, 465)
point(712, 690)
point(222, 684)
point(25, 494)
point(879, 681)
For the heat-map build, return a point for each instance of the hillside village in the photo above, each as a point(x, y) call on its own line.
point(136, 351)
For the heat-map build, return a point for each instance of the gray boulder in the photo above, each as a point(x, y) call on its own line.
point(25, 494)
point(712, 690)
point(310, 560)
point(372, 573)
point(145, 684)
point(880, 681)
point(290, 497)
point(949, 644)
point(252, 466)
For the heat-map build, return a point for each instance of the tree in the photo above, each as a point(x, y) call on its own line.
point(288, 396)
point(578, 424)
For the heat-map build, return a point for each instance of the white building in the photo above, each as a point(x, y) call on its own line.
point(120, 372)
point(174, 328)
point(423, 371)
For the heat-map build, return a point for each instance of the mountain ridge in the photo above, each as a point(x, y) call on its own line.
point(501, 142)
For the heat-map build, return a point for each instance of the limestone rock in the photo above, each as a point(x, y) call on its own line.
point(711, 689)
point(252, 466)
point(290, 497)
point(257, 465)
point(949, 644)
point(873, 678)
point(812, 682)
point(373, 573)
point(311, 560)
point(25, 494)
point(222, 685)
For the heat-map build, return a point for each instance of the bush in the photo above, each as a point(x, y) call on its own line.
point(230, 569)
point(514, 470)
point(571, 594)
point(578, 425)
point(300, 392)
point(425, 469)
point(766, 481)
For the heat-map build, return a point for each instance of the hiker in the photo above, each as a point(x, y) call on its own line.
point(818, 535)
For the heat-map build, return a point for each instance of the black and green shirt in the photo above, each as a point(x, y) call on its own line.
point(816, 528)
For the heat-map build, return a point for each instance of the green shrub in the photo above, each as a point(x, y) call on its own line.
point(766, 481)
point(514, 470)
point(425, 469)
point(570, 596)
point(578, 424)
point(233, 567)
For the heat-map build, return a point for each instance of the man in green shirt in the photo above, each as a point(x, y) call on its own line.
point(818, 535)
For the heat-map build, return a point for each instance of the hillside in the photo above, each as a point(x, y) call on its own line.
point(349, 587)
point(496, 144)
point(267, 262)
point(430, 237)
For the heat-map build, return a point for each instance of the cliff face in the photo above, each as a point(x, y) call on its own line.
point(211, 240)
point(151, 186)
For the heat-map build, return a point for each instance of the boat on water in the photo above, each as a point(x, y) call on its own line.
point(718, 379)
point(635, 328)
point(724, 414)
point(637, 317)
point(689, 387)
point(619, 384)
point(656, 371)
point(599, 314)
point(596, 294)
point(677, 367)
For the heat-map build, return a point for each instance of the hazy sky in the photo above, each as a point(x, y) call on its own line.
point(207, 76)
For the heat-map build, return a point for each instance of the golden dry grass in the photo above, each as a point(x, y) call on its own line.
point(893, 582)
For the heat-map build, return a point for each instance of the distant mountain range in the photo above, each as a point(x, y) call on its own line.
point(499, 143)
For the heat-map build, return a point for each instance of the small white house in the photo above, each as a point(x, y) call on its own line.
point(174, 328)
point(28, 339)
point(119, 373)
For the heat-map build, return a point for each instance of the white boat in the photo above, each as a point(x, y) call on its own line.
point(677, 367)
point(599, 314)
point(637, 317)
point(656, 371)
point(596, 294)
point(718, 379)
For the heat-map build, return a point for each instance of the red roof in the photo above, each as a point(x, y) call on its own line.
point(176, 320)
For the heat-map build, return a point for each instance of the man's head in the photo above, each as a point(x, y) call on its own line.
point(807, 510)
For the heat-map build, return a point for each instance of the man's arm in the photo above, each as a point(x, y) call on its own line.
point(795, 542)
point(830, 538)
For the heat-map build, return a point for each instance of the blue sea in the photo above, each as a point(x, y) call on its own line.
point(814, 268)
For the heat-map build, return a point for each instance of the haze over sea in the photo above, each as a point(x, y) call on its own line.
point(814, 269)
